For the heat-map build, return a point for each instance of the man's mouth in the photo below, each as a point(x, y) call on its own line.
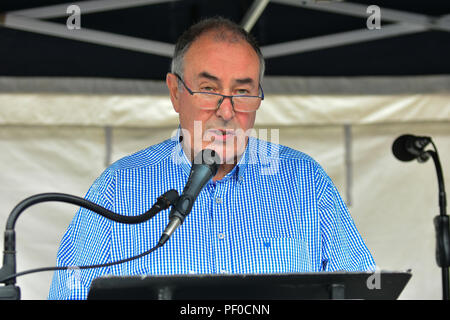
point(219, 134)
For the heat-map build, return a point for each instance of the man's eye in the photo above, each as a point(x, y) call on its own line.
point(207, 89)
point(242, 91)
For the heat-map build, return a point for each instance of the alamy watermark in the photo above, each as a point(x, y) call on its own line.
point(74, 20)
point(374, 20)
point(373, 282)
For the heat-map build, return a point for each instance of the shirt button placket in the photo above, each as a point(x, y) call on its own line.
point(220, 228)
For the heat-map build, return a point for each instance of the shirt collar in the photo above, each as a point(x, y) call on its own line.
point(178, 155)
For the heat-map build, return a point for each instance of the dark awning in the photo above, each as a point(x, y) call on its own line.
point(134, 38)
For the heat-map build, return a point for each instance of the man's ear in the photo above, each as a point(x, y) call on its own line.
point(172, 84)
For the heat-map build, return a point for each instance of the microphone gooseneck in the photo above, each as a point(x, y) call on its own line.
point(205, 166)
point(163, 202)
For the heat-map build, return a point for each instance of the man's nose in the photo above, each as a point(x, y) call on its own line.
point(226, 109)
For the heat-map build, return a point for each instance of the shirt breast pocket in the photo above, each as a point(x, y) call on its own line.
point(273, 255)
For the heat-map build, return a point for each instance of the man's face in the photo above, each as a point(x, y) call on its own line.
point(220, 67)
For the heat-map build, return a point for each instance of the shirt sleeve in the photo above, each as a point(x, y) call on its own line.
point(86, 242)
point(343, 248)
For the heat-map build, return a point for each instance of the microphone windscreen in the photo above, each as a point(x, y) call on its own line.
point(399, 148)
point(210, 158)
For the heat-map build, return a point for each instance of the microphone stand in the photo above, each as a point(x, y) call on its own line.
point(8, 271)
point(441, 224)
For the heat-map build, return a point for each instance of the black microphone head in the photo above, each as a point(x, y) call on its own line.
point(210, 158)
point(399, 148)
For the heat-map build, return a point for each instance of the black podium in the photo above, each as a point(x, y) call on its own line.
point(287, 286)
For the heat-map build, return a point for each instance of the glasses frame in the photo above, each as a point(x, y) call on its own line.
point(222, 95)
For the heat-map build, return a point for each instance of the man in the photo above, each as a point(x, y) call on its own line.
point(269, 209)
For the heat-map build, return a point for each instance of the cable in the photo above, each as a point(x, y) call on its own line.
point(22, 273)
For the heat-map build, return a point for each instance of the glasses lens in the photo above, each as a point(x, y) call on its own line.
point(246, 104)
point(207, 101)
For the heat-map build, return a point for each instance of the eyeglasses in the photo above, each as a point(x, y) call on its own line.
point(212, 101)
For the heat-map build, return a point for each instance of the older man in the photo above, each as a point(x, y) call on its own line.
point(269, 209)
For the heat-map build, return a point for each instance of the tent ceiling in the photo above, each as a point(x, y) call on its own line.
point(298, 38)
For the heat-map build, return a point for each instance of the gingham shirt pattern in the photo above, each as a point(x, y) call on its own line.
point(276, 211)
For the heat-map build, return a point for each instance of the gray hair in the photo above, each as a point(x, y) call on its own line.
point(225, 30)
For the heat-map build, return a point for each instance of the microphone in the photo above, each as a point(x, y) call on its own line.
point(408, 147)
point(204, 168)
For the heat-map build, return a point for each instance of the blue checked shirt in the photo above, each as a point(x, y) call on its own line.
point(277, 211)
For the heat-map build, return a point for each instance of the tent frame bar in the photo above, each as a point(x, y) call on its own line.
point(60, 10)
point(339, 39)
point(90, 36)
point(253, 14)
point(360, 10)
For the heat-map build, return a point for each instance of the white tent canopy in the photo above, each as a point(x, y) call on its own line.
point(60, 141)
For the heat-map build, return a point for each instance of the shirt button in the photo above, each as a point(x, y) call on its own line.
point(221, 236)
point(218, 200)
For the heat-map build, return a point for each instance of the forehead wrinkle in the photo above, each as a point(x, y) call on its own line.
point(239, 81)
point(245, 81)
point(207, 75)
